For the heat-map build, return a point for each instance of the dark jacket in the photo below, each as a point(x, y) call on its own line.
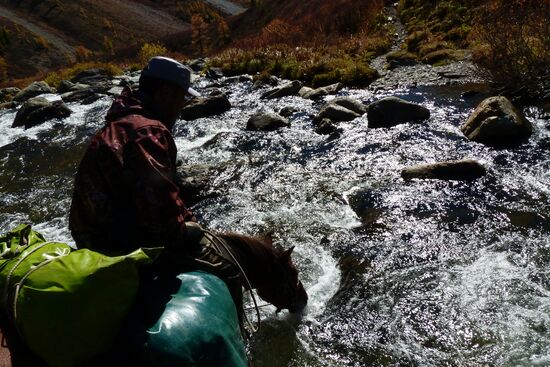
point(125, 195)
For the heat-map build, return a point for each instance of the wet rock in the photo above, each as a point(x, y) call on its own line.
point(351, 104)
point(335, 113)
point(266, 122)
point(214, 104)
point(214, 73)
point(65, 86)
point(304, 90)
point(392, 111)
point(194, 182)
point(197, 64)
point(115, 91)
point(239, 79)
point(287, 111)
point(497, 122)
point(33, 90)
point(7, 94)
point(321, 92)
point(91, 76)
point(462, 170)
point(261, 83)
point(289, 89)
point(8, 105)
point(367, 204)
point(326, 127)
point(38, 110)
point(81, 92)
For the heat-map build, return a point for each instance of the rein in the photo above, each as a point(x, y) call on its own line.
point(218, 244)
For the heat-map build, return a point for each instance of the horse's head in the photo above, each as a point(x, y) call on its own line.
point(282, 288)
point(271, 271)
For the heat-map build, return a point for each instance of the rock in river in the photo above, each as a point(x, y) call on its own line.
point(266, 122)
point(38, 110)
point(212, 105)
point(391, 111)
point(33, 90)
point(462, 170)
point(335, 113)
point(497, 122)
point(288, 89)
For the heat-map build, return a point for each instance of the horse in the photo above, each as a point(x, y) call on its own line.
point(240, 261)
point(265, 268)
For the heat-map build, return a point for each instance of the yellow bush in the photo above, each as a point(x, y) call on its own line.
point(149, 50)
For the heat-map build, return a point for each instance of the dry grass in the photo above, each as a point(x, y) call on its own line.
point(513, 44)
point(321, 43)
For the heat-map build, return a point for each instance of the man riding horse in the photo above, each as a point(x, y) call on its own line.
point(126, 195)
point(125, 192)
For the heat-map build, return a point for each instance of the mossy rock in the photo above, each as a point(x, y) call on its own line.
point(428, 48)
point(401, 58)
point(441, 57)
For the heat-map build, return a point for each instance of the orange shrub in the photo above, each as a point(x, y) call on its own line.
point(514, 43)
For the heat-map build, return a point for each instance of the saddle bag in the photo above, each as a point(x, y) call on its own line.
point(67, 305)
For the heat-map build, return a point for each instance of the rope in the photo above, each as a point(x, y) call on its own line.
point(10, 274)
point(20, 283)
point(217, 242)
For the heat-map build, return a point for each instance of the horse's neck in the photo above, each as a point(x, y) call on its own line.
point(252, 258)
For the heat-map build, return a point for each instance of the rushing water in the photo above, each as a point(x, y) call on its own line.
point(419, 273)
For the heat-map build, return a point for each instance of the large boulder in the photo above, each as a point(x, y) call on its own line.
point(497, 122)
point(462, 170)
point(322, 91)
point(91, 76)
point(7, 94)
point(38, 110)
point(266, 122)
point(33, 90)
point(335, 113)
point(81, 92)
point(212, 105)
point(289, 89)
point(391, 111)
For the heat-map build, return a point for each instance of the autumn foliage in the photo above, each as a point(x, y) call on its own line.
point(514, 43)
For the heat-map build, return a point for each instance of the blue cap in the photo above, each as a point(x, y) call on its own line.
point(170, 70)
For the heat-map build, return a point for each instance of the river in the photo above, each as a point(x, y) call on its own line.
point(418, 273)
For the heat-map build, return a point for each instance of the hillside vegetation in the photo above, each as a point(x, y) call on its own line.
point(317, 41)
point(510, 39)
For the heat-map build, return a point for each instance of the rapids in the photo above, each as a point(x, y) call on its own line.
point(419, 273)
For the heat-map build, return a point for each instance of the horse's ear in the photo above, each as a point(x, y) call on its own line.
point(285, 255)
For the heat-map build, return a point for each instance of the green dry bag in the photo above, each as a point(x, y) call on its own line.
point(67, 305)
